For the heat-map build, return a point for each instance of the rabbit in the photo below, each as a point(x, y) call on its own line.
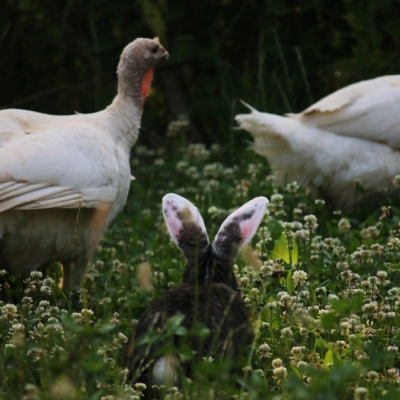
point(209, 293)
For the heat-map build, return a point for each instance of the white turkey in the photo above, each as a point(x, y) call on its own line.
point(350, 135)
point(63, 179)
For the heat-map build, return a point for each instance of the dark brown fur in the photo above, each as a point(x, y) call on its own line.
point(218, 304)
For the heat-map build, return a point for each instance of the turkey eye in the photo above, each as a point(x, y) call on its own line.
point(155, 49)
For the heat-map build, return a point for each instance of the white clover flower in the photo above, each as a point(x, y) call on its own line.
point(377, 249)
point(280, 372)
point(372, 232)
point(344, 224)
point(228, 172)
point(310, 222)
point(297, 350)
point(301, 365)
point(199, 151)
point(9, 312)
point(46, 290)
point(370, 307)
point(361, 393)
point(213, 170)
point(259, 372)
point(394, 291)
point(373, 376)
point(244, 281)
point(110, 361)
point(394, 243)
point(392, 372)
point(276, 198)
point(276, 363)
point(247, 302)
point(299, 277)
point(140, 386)
point(48, 282)
point(292, 187)
point(264, 351)
point(342, 265)
point(302, 235)
point(17, 327)
point(332, 297)
point(208, 360)
point(396, 181)
point(286, 332)
point(287, 226)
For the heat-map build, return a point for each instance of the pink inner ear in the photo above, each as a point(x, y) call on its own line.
point(174, 226)
point(247, 230)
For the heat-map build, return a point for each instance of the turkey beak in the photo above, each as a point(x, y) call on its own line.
point(163, 52)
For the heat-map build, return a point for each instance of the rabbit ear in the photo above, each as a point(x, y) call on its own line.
point(239, 228)
point(186, 226)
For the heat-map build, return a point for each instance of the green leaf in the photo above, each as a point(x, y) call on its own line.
point(276, 320)
point(281, 250)
point(329, 321)
point(107, 328)
point(332, 357)
point(296, 371)
point(289, 282)
point(173, 323)
point(320, 343)
point(328, 359)
point(346, 307)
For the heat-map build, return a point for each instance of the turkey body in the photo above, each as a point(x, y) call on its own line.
point(353, 134)
point(63, 179)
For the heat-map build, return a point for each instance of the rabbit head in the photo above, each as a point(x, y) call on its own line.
point(210, 263)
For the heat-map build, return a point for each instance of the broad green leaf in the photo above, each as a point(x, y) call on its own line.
point(329, 321)
point(332, 357)
point(337, 360)
point(328, 359)
point(346, 307)
point(281, 250)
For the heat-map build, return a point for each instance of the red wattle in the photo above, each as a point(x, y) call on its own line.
point(146, 83)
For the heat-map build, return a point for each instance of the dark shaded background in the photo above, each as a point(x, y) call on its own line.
point(60, 56)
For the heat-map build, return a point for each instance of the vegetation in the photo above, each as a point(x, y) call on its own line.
point(324, 290)
point(323, 286)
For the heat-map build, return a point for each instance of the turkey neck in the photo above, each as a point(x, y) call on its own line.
point(124, 117)
point(127, 108)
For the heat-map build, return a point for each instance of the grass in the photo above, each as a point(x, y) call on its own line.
point(323, 289)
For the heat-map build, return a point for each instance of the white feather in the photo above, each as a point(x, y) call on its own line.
point(367, 110)
point(50, 165)
point(319, 158)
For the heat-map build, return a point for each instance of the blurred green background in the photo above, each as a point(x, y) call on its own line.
point(60, 56)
